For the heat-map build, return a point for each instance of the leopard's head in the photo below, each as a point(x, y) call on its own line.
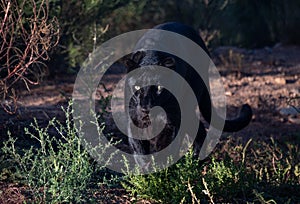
point(145, 97)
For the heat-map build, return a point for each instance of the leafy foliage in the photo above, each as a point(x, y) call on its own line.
point(169, 185)
point(57, 169)
point(82, 29)
point(85, 24)
point(235, 175)
point(241, 23)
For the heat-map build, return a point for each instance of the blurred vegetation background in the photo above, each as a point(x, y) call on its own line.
point(248, 23)
point(84, 24)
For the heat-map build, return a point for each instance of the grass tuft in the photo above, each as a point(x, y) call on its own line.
point(57, 169)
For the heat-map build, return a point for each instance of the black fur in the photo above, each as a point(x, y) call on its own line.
point(147, 97)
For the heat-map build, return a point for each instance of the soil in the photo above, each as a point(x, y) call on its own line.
point(267, 79)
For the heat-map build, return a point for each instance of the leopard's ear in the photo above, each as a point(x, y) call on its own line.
point(169, 62)
point(134, 61)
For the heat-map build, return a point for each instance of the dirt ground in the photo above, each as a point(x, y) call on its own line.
point(269, 80)
point(264, 78)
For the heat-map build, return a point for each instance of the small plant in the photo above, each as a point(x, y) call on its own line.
point(233, 61)
point(188, 181)
point(58, 169)
point(226, 180)
point(27, 34)
point(254, 172)
point(169, 185)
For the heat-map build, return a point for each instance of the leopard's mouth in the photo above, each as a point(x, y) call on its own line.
point(146, 118)
point(145, 121)
point(142, 121)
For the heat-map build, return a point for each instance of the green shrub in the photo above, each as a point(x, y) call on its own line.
point(82, 29)
point(169, 185)
point(58, 169)
point(226, 180)
point(188, 181)
point(255, 172)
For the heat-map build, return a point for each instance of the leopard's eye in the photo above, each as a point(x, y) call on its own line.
point(136, 87)
point(159, 88)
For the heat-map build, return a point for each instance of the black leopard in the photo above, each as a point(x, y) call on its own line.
point(146, 97)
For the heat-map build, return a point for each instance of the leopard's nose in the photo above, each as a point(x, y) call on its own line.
point(145, 111)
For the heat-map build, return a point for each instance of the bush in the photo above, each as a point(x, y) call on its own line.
point(169, 185)
point(82, 30)
point(249, 23)
point(188, 181)
point(257, 172)
point(27, 35)
point(58, 169)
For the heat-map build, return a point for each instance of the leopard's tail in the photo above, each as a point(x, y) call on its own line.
point(230, 125)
